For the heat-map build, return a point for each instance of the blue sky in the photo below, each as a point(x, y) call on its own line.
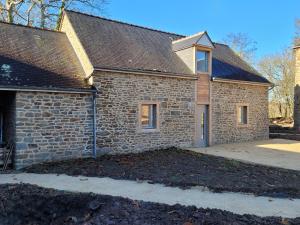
point(269, 22)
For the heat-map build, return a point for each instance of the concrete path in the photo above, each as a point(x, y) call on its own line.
point(234, 202)
point(274, 152)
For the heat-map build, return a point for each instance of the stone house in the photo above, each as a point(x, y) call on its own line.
point(102, 86)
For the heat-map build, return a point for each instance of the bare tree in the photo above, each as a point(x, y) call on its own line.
point(10, 9)
point(45, 13)
point(243, 45)
point(279, 69)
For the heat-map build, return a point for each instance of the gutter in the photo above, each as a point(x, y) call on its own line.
point(272, 87)
point(47, 90)
point(140, 72)
point(241, 82)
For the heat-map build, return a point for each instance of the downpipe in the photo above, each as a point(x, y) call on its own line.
point(95, 124)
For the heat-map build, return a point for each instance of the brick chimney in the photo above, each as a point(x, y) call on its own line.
point(297, 89)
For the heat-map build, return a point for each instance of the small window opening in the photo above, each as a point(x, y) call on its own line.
point(149, 116)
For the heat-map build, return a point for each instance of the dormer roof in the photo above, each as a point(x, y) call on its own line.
point(199, 39)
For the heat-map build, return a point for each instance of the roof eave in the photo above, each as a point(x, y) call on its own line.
point(267, 84)
point(146, 72)
point(47, 89)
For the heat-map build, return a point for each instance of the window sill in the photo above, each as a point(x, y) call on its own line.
point(243, 125)
point(204, 73)
point(141, 130)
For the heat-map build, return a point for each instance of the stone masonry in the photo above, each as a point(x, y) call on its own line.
point(52, 126)
point(118, 104)
point(225, 98)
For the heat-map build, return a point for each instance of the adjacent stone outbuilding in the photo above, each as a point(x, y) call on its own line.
point(52, 126)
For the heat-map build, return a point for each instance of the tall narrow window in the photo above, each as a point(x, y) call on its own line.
point(202, 61)
point(148, 118)
point(242, 115)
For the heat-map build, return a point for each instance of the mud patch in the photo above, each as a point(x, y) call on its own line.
point(184, 169)
point(27, 204)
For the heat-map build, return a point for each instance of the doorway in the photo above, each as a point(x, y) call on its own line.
point(202, 126)
point(7, 117)
point(1, 127)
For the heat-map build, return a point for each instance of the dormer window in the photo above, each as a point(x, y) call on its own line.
point(202, 61)
point(196, 52)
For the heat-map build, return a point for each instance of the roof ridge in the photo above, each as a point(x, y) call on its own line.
point(31, 27)
point(125, 23)
point(191, 36)
point(218, 43)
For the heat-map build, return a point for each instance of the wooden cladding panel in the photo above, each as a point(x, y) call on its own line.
point(203, 89)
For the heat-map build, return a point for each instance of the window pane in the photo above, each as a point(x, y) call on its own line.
point(145, 115)
point(202, 61)
point(242, 115)
point(245, 109)
point(148, 116)
point(154, 116)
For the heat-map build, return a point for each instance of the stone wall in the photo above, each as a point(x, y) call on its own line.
point(52, 126)
point(118, 104)
point(225, 98)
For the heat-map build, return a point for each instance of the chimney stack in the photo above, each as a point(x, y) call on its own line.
point(297, 89)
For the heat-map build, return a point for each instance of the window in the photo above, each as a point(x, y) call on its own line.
point(242, 115)
point(148, 116)
point(202, 61)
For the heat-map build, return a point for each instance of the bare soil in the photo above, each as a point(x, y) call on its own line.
point(32, 205)
point(184, 169)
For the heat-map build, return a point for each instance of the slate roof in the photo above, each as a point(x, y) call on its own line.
point(38, 59)
point(111, 44)
point(227, 65)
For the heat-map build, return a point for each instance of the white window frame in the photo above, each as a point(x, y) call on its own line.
point(141, 127)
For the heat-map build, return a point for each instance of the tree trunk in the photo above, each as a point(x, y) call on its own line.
point(9, 9)
point(43, 14)
point(60, 14)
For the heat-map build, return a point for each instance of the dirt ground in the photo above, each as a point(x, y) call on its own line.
point(31, 205)
point(184, 169)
